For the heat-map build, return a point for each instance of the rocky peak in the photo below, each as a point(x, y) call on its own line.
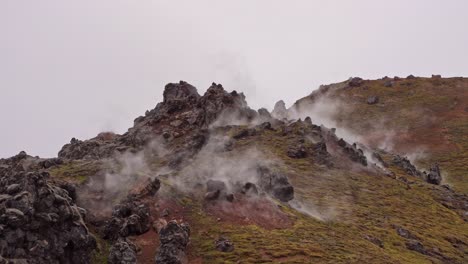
point(179, 91)
point(279, 111)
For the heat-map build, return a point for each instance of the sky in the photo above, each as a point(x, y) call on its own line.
point(77, 68)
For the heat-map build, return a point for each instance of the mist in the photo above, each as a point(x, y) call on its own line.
point(74, 69)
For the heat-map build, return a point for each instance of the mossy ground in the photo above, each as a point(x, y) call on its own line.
point(426, 115)
point(352, 204)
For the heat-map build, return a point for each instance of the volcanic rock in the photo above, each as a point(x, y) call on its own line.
point(406, 165)
point(174, 239)
point(122, 251)
point(40, 222)
point(130, 217)
point(279, 110)
point(298, 151)
point(275, 184)
point(249, 189)
point(224, 245)
point(355, 82)
point(434, 176)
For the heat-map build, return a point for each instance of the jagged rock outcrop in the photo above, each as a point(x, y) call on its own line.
point(434, 176)
point(224, 244)
point(351, 151)
point(130, 217)
point(275, 183)
point(39, 222)
point(406, 165)
point(279, 110)
point(174, 238)
point(122, 251)
point(355, 82)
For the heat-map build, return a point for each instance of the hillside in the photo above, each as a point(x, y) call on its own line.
point(206, 179)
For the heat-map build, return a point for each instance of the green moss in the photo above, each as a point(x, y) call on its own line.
point(76, 171)
point(101, 254)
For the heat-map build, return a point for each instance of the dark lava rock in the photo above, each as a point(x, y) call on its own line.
point(372, 100)
point(39, 222)
point(215, 185)
point(179, 91)
point(174, 239)
point(434, 176)
point(224, 245)
point(264, 114)
point(410, 77)
point(249, 189)
point(266, 126)
point(214, 195)
point(130, 217)
point(298, 151)
point(415, 245)
point(321, 154)
point(436, 76)
point(355, 82)
point(279, 110)
point(122, 251)
point(406, 165)
point(275, 184)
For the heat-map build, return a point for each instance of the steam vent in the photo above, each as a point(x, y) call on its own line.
point(362, 171)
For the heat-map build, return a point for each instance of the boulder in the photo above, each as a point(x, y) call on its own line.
point(215, 185)
point(179, 91)
point(355, 82)
point(39, 221)
point(122, 251)
point(406, 165)
point(224, 245)
point(298, 151)
point(130, 217)
point(275, 184)
point(434, 176)
point(174, 238)
point(279, 110)
point(249, 189)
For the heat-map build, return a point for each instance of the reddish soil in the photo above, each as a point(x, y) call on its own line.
point(246, 211)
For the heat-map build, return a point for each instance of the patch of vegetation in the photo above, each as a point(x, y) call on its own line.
point(76, 172)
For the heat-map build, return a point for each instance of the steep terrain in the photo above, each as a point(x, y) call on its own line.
point(356, 172)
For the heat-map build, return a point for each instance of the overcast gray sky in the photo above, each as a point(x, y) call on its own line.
point(76, 68)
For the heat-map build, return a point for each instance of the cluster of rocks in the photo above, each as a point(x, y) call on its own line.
point(174, 238)
point(122, 251)
point(355, 82)
point(269, 182)
point(275, 183)
point(39, 221)
point(223, 244)
point(406, 165)
point(129, 217)
point(434, 176)
point(353, 152)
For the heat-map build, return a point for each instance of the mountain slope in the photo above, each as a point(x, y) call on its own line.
point(206, 179)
